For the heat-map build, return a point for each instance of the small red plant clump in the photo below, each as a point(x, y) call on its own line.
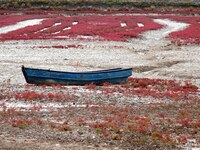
point(65, 127)
point(80, 122)
point(21, 123)
point(90, 86)
point(62, 46)
point(184, 122)
point(29, 95)
point(98, 125)
point(197, 123)
point(61, 127)
point(184, 138)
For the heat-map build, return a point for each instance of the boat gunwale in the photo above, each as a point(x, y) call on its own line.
point(89, 72)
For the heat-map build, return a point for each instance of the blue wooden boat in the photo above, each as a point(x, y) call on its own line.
point(49, 77)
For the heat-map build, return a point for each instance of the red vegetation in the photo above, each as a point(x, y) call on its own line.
point(190, 35)
point(157, 88)
point(96, 27)
point(63, 47)
point(22, 123)
point(101, 27)
point(171, 120)
point(8, 19)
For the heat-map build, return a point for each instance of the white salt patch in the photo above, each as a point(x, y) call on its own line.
point(19, 25)
point(89, 37)
point(61, 37)
point(56, 32)
point(140, 24)
point(98, 23)
point(171, 26)
point(85, 37)
point(44, 29)
point(67, 28)
point(123, 24)
point(152, 38)
point(56, 24)
point(75, 23)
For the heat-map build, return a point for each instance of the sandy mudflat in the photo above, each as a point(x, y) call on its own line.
point(152, 56)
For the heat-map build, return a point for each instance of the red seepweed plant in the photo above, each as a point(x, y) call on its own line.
point(112, 112)
point(105, 27)
point(97, 27)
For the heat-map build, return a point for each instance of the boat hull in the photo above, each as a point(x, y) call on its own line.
point(49, 77)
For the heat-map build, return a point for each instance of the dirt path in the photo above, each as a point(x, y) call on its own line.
point(168, 60)
point(157, 38)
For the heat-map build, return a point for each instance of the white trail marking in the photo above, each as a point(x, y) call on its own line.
point(123, 24)
point(140, 24)
point(171, 26)
point(151, 39)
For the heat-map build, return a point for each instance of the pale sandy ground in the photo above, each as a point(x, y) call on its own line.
point(152, 56)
